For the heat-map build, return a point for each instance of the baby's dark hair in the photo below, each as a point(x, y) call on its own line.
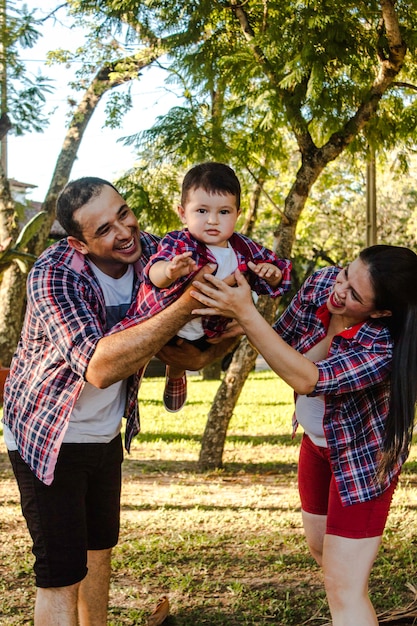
point(76, 194)
point(214, 178)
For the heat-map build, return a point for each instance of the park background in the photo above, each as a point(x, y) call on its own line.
point(314, 105)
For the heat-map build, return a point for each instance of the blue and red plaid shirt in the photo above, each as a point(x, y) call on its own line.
point(65, 319)
point(354, 379)
point(152, 300)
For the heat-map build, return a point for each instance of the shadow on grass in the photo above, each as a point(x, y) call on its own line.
point(207, 507)
point(242, 402)
point(251, 440)
point(233, 470)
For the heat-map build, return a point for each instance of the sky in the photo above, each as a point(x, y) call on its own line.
point(32, 158)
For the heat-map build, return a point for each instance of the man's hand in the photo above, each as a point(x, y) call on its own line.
point(186, 299)
point(233, 330)
point(186, 356)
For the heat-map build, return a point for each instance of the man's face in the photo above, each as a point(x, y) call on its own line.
point(110, 231)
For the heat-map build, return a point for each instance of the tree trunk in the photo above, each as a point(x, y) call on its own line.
point(252, 213)
point(13, 286)
point(243, 362)
point(12, 307)
point(313, 161)
point(213, 371)
point(8, 225)
point(10, 310)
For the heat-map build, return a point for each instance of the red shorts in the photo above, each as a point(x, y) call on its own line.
point(319, 496)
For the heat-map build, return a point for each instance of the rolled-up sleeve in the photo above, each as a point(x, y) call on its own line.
point(353, 370)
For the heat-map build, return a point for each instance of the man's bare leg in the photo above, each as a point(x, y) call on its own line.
point(56, 606)
point(93, 596)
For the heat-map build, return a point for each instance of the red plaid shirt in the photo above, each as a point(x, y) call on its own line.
point(65, 319)
point(354, 379)
point(151, 300)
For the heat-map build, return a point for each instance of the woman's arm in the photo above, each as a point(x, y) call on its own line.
point(236, 302)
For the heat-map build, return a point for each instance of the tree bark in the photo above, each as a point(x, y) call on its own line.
point(8, 224)
point(12, 308)
point(252, 213)
point(213, 371)
point(221, 411)
point(8, 228)
point(13, 285)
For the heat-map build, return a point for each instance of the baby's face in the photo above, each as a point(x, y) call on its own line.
point(210, 218)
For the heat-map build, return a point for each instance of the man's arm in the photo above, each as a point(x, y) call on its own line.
point(123, 353)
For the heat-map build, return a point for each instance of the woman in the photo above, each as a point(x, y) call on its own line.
point(347, 344)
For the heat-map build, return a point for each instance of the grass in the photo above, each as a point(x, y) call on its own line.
point(227, 547)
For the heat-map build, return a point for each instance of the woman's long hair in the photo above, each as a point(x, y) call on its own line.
point(393, 273)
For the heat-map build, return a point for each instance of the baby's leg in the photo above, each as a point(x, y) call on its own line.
point(175, 392)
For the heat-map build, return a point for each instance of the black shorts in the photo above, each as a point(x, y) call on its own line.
point(79, 511)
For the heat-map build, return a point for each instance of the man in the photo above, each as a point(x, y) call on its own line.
point(75, 374)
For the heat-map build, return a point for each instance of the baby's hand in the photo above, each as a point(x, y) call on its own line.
point(180, 265)
point(269, 272)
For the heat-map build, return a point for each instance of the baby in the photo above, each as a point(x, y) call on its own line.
point(210, 207)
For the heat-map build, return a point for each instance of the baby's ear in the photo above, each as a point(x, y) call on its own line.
point(181, 213)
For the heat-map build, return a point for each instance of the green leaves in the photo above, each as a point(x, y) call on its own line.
point(25, 94)
point(30, 230)
point(277, 90)
point(15, 251)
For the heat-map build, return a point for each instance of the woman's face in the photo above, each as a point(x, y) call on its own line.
point(353, 295)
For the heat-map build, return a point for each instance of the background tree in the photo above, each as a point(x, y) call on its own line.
point(264, 82)
point(104, 68)
point(21, 110)
point(324, 71)
point(389, 49)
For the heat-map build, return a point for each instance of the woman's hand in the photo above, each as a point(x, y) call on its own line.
point(219, 298)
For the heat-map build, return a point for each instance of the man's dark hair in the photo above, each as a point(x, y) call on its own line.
point(76, 194)
point(214, 178)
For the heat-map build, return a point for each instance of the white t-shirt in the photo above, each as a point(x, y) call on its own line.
point(97, 414)
point(226, 260)
point(309, 411)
